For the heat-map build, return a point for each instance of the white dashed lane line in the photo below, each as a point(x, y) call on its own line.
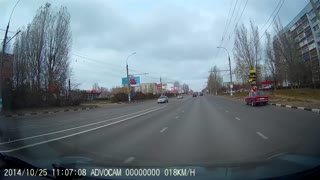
point(162, 130)
point(129, 160)
point(261, 135)
point(237, 118)
point(227, 111)
point(177, 117)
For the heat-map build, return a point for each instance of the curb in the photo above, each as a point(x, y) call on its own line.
point(47, 112)
point(292, 107)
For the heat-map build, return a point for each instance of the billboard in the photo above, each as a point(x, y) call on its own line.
point(134, 81)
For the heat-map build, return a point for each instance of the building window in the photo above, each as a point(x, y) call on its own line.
point(315, 27)
point(306, 57)
point(314, 20)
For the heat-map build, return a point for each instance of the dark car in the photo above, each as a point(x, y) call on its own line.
point(256, 97)
point(201, 94)
point(194, 95)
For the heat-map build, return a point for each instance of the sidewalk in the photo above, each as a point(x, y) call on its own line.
point(49, 110)
point(289, 102)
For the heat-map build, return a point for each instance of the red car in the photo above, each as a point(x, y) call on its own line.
point(257, 97)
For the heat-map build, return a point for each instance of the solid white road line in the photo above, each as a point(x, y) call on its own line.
point(129, 160)
point(162, 130)
point(55, 132)
point(77, 133)
point(261, 135)
point(237, 118)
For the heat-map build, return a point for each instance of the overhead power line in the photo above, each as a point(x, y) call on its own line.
point(230, 19)
point(116, 66)
point(236, 25)
point(225, 26)
point(275, 16)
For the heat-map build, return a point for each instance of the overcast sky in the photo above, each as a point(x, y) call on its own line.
point(174, 39)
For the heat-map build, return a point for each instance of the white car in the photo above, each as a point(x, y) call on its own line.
point(163, 99)
point(180, 97)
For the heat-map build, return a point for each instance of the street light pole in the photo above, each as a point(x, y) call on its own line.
point(231, 85)
point(2, 55)
point(129, 98)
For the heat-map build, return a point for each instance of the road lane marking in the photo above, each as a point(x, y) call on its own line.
point(182, 111)
point(237, 118)
point(261, 135)
point(129, 160)
point(276, 155)
point(227, 111)
point(69, 129)
point(177, 117)
point(77, 133)
point(162, 130)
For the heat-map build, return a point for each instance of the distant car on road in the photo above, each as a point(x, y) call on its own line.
point(256, 97)
point(201, 94)
point(194, 95)
point(163, 99)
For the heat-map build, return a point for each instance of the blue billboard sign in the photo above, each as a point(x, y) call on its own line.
point(134, 81)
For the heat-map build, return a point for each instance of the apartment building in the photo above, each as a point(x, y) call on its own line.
point(304, 28)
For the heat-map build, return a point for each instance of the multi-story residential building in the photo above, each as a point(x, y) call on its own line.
point(149, 88)
point(304, 28)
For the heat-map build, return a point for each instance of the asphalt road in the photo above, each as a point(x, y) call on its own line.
point(205, 130)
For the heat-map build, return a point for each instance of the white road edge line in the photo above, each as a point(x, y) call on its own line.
point(237, 118)
point(77, 133)
point(129, 160)
point(261, 135)
point(162, 130)
point(55, 132)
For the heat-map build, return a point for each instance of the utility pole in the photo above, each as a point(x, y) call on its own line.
point(231, 85)
point(129, 98)
point(129, 89)
point(314, 8)
point(161, 86)
point(3, 54)
point(1, 65)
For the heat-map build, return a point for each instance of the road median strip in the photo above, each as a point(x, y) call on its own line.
point(45, 112)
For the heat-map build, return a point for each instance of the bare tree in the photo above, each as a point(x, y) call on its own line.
point(270, 60)
point(214, 80)
point(247, 51)
point(288, 52)
point(42, 56)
